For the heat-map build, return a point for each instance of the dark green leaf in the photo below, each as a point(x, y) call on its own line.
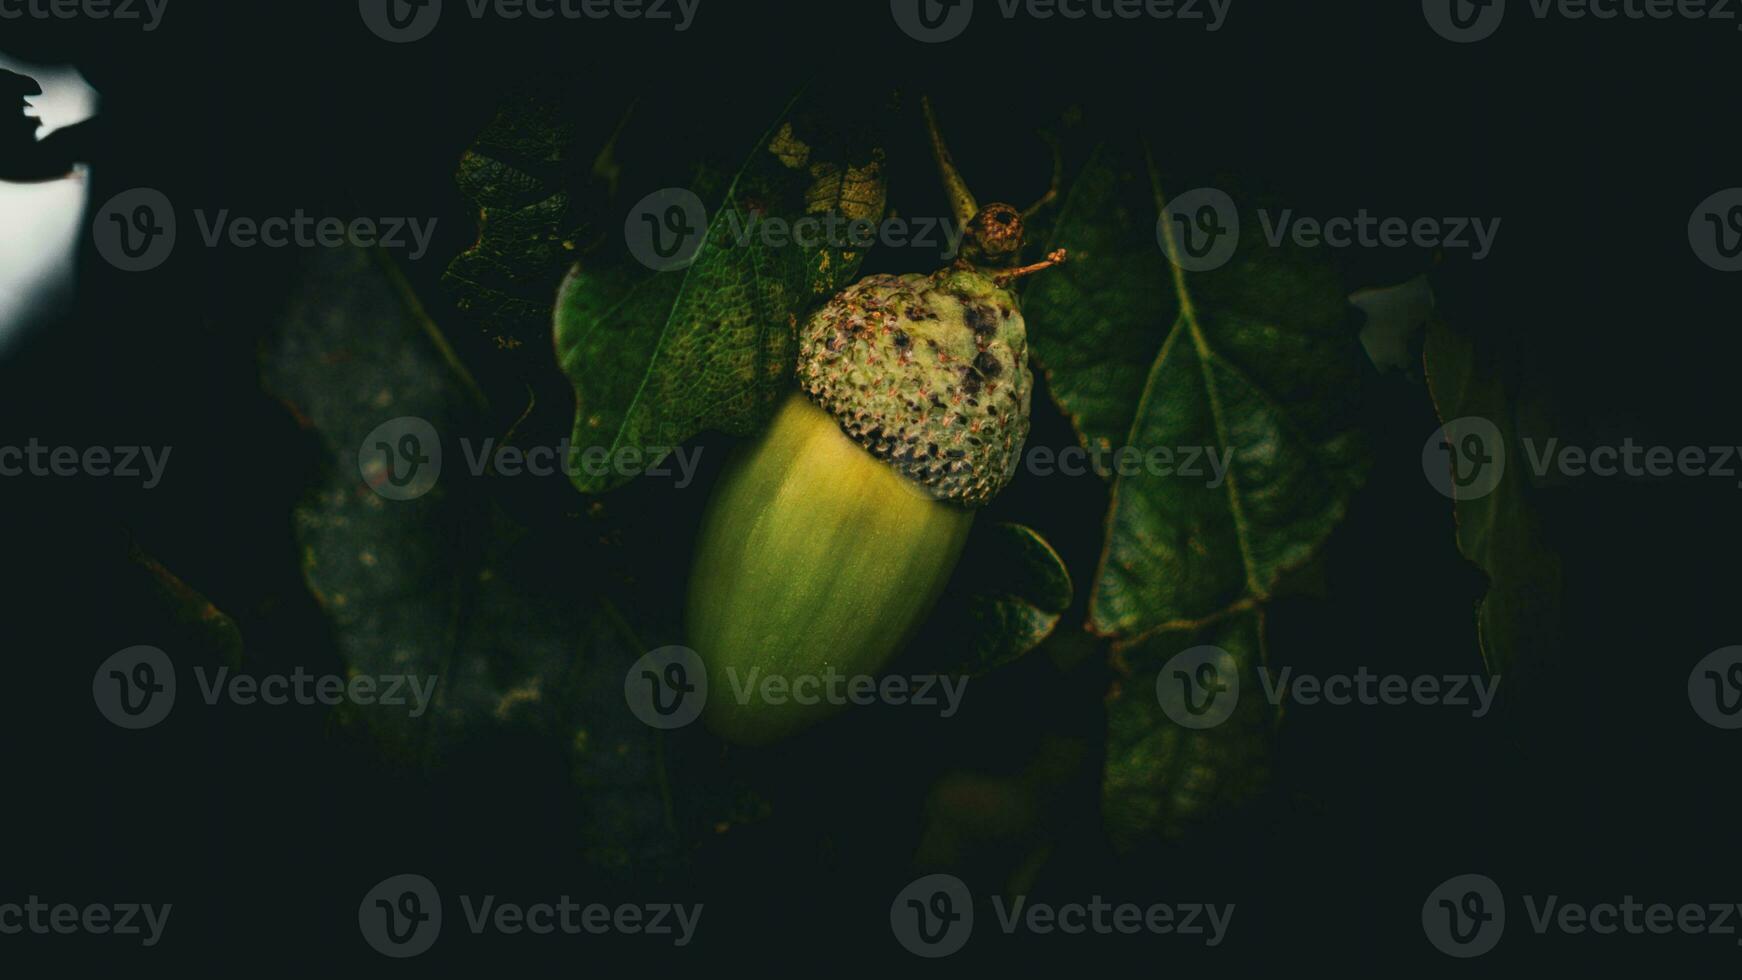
point(658, 357)
point(1499, 530)
point(1005, 597)
point(524, 632)
point(1162, 777)
point(517, 173)
point(1255, 358)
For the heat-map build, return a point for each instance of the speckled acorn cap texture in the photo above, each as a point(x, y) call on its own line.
point(927, 372)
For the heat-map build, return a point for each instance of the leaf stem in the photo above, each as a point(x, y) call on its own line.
point(961, 199)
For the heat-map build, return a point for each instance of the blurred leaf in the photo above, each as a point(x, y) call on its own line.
point(1255, 357)
point(1163, 777)
point(193, 628)
point(1518, 620)
point(657, 357)
point(525, 631)
point(1005, 597)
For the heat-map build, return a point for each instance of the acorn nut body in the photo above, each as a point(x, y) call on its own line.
point(832, 534)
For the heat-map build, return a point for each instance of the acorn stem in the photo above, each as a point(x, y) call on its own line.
point(961, 199)
point(1055, 257)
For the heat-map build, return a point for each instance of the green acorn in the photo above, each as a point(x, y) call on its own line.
point(831, 535)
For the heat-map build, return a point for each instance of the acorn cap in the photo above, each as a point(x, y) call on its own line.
point(929, 374)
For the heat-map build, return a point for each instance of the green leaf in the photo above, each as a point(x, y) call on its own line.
point(1254, 361)
point(1500, 530)
point(530, 634)
point(1161, 777)
point(658, 357)
point(1005, 597)
point(517, 173)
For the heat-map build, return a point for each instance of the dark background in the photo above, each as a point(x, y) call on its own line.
point(1591, 140)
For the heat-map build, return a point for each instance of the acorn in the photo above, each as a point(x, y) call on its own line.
point(832, 533)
